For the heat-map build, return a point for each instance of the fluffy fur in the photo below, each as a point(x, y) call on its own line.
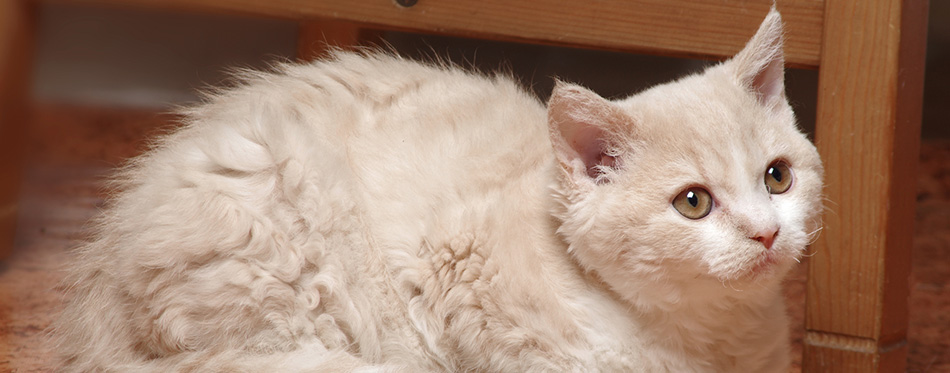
point(368, 213)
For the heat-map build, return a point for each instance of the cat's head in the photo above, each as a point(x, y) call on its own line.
point(697, 188)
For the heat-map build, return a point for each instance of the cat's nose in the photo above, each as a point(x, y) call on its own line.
point(766, 236)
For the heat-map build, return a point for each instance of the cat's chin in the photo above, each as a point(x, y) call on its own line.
point(763, 273)
point(766, 264)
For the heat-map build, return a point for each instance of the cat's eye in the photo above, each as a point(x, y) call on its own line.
point(693, 203)
point(778, 177)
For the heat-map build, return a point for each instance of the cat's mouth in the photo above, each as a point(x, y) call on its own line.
point(765, 263)
point(769, 263)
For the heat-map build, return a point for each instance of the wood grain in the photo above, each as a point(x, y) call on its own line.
point(868, 128)
point(827, 352)
point(16, 41)
point(698, 28)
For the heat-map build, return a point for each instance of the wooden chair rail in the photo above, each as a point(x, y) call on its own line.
point(698, 28)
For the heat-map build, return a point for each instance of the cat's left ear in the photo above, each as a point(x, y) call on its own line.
point(760, 66)
point(580, 123)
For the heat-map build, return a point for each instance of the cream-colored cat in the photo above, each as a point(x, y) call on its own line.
point(370, 213)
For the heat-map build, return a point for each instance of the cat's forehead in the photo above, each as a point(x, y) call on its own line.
point(708, 105)
point(706, 127)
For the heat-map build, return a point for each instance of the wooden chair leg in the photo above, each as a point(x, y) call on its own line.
point(868, 128)
point(16, 42)
point(315, 37)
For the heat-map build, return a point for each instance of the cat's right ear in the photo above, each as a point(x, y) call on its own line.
point(760, 66)
point(579, 121)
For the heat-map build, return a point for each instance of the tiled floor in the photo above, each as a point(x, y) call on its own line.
point(76, 147)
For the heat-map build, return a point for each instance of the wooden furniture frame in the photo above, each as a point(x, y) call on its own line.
point(870, 59)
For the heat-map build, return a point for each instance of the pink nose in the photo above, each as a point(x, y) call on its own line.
point(766, 236)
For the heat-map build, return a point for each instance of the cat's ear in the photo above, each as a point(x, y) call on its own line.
point(760, 66)
point(580, 121)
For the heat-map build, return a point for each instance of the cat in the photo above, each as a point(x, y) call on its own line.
point(370, 213)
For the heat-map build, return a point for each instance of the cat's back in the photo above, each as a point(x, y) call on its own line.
point(401, 138)
point(376, 111)
point(422, 143)
point(263, 207)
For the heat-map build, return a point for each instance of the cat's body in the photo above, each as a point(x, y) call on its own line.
point(373, 212)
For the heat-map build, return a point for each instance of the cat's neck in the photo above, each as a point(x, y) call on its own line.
point(682, 300)
point(701, 329)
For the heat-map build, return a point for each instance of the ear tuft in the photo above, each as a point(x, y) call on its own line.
point(760, 66)
point(578, 120)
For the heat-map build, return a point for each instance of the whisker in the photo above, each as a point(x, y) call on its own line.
point(829, 201)
point(830, 210)
point(813, 236)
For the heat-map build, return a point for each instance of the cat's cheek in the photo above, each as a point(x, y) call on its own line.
point(798, 220)
point(717, 250)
